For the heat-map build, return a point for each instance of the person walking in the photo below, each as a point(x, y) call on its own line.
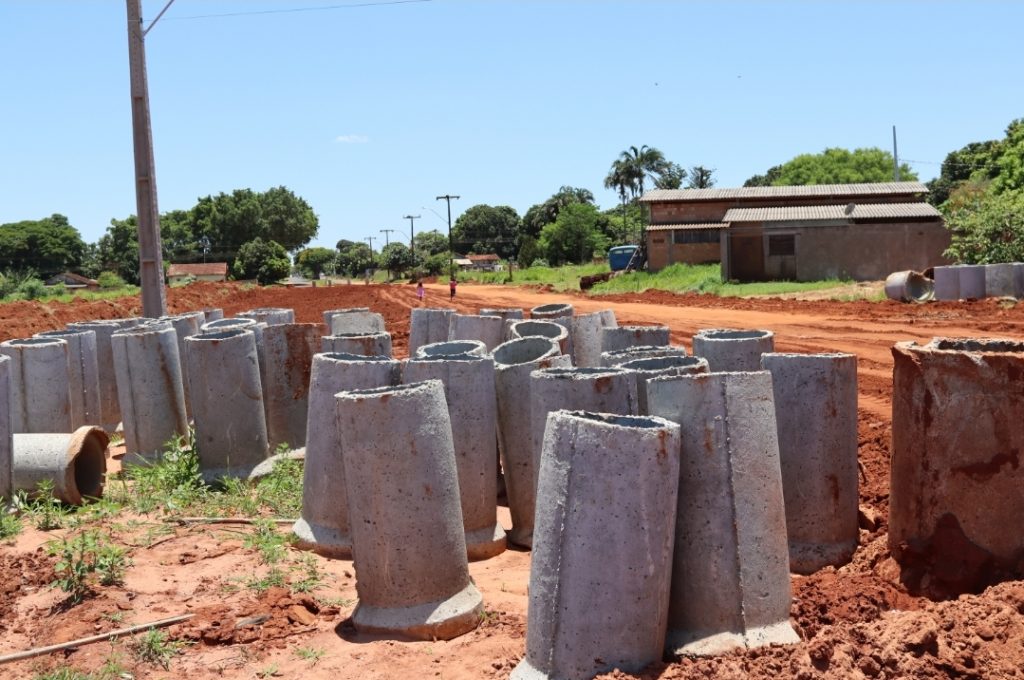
point(419, 291)
point(451, 288)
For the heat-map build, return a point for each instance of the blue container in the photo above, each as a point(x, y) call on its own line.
point(619, 257)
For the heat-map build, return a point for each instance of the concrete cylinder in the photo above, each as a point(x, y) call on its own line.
point(324, 526)
point(957, 486)
point(230, 420)
point(555, 310)
point(947, 283)
point(6, 442)
point(149, 388)
point(544, 329)
point(487, 329)
point(999, 280)
point(269, 315)
point(1018, 279)
point(514, 361)
point(620, 356)
point(110, 409)
point(506, 313)
point(75, 462)
point(83, 375)
point(653, 367)
point(365, 344)
point(608, 317)
point(254, 327)
point(185, 325)
point(909, 286)
point(454, 348)
point(331, 313)
point(428, 325)
point(412, 575)
point(40, 392)
point(727, 349)
point(593, 462)
point(730, 571)
point(473, 411)
point(816, 411)
point(357, 322)
point(211, 314)
point(972, 281)
point(624, 337)
point(289, 350)
point(587, 330)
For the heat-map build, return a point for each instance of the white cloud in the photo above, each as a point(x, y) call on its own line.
point(352, 139)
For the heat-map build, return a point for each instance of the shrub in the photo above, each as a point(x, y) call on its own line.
point(110, 280)
point(32, 289)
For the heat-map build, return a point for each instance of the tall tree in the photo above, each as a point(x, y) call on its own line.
point(314, 261)
point(975, 161)
point(396, 257)
point(287, 218)
point(574, 236)
point(430, 243)
point(47, 246)
point(487, 229)
point(767, 179)
point(265, 261)
point(671, 177)
point(354, 258)
point(840, 166)
point(547, 212)
point(701, 177)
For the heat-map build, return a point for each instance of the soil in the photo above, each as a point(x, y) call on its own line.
point(857, 621)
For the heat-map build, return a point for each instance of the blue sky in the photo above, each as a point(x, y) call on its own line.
point(370, 112)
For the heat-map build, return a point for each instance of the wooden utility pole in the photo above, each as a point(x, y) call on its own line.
point(151, 265)
point(447, 198)
point(412, 234)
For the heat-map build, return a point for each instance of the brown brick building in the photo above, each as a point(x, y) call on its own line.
point(801, 233)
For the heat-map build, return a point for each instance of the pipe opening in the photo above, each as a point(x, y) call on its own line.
point(976, 345)
point(553, 309)
point(544, 329)
point(217, 334)
point(639, 422)
point(454, 347)
point(730, 334)
point(662, 363)
point(524, 350)
point(579, 372)
point(89, 463)
point(346, 357)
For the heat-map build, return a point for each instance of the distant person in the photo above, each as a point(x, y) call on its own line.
point(451, 288)
point(419, 291)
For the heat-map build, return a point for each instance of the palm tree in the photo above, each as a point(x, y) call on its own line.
point(643, 163)
point(623, 179)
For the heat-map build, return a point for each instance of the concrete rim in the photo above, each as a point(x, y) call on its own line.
point(347, 358)
point(86, 466)
point(1008, 346)
point(524, 351)
point(325, 541)
point(553, 309)
point(440, 620)
point(727, 334)
point(482, 544)
point(218, 324)
point(408, 390)
point(578, 372)
point(618, 421)
point(34, 342)
point(651, 364)
point(216, 335)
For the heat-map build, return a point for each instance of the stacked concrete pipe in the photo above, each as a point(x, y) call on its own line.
point(211, 314)
point(324, 526)
point(544, 329)
point(729, 349)
point(625, 337)
point(269, 315)
point(149, 388)
point(730, 580)
point(357, 321)
point(185, 325)
point(230, 419)
point(75, 462)
point(289, 350)
point(428, 325)
point(999, 280)
point(621, 356)
point(816, 410)
point(653, 367)
point(972, 281)
point(40, 391)
point(488, 329)
point(506, 313)
point(557, 310)
point(365, 344)
point(514, 361)
point(454, 348)
point(83, 375)
point(947, 282)
point(957, 488)
point(587, 332)
point(110, 406)
point(593, 462)
point(412, 575)
point(331, 313)
point(254, 327)
point(473, 412)
point(6, 442)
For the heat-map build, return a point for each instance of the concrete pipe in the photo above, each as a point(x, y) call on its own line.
point(324, 526)
point(816, 411)
point(593, 462)
point(506, 313)
point(620, 356)
point(428, 325)
point(514, 361)
point(110, 407)
point(40, 392)
point(6, 445)
point(412, 575)
point(487, 329)
point(999, 280)
point(331, 313)
point(230, 420)
point(271, 316)
point(289, 349)
point(254, 327)
point(1018, 279)
point(555, 310)
point(972, 281)
point(357, 322)
point(727, 349)
point(653, 367)
point(625, 337)
point(365, 344)
point(730, 580)
point(211, 314)
point(473, 411)
point(149, 388)
point(75, 462)
point(83, 375)
point(455, 348)
point(608, 318)
point(908, 286)
point(947, 283)
point(957, 488)
point(544, 329)
point(587, 330)
point(185, 325)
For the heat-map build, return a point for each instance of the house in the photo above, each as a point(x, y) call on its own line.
point(462, 262)
point(800, 233)
point(73, 281)
point(198, 271)
point(488, 262)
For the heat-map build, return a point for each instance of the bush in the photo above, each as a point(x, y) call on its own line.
point(265, 261)
point(32, 289)
point(436, 264)
point(540, 262)
point(108, 280)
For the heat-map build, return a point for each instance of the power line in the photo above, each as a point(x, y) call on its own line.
point(295, 10)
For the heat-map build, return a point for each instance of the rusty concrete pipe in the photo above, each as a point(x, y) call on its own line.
point(624, 337)
point(75, 462)
point(909, 286)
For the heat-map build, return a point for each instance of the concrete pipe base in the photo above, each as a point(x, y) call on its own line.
point(555, 310)
point(441, 620)
point(76, 463)
point(330, 542)
point(620, 356)
point(428, 325)
point(453, 348)
point(624, 337)
point(544, 329)
point(728, 349)
point(485, 543)
point(269, 315)
point(365, 344)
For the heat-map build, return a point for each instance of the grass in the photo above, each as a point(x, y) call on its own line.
point(704, 278)
point(561, 278)
point(156, 647)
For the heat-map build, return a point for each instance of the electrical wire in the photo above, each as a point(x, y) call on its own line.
point(294, 10)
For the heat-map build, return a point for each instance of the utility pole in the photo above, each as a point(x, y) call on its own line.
point(151, 265)
point(412, 234)
point(451, 251)
point(385, 232)
point(370, 239)
point(895, 157)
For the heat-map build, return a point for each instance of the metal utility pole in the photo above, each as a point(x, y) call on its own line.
point(151, 265)
point(412, 234)
point(895, 157)
point(385, 232)
point(451, 251)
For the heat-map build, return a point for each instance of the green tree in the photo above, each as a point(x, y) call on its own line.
point(701, 178)
point(767, 179)
point(986, 226)
point(314, 261)
point(529, 250)
point(354, 258)
point(574, 236)
point(487, 229)
point(976, 161)
point(1010, 164)
point(430, 243)
point(265, 261)
point(671, 177)
point(48, 246)
point(547, 212)
point(118, 249)
point(287, 218)
point(841, 166)
point(396, 257)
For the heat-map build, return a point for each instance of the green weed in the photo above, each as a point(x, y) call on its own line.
point(310, 654)
point(267, 541)
point(156, 647)
point(10, 525)
point(81, 557)
point(49, 512)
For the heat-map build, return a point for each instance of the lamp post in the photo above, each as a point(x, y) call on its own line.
point(451, 250)
point(386, 244)
point(412, 234)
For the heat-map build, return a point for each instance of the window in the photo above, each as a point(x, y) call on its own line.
point(695, 236)
point(783, 245)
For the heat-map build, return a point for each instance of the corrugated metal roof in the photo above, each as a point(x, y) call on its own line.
point(832, 212)
point(198, 269)
point(689, 226)
point(812, 190)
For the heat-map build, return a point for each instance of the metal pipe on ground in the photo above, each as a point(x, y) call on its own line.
point(620, 356)
point(728, 349)
point(909, 286)
point(514, 361)
point(454, 348)
point(83, 375)
point(473, 412)
point(40, 391)
point(289, 350)
point(816, 412)
point(412, 575)
point(356, 321)
point(365, 344)
point(593, 462)
point(653, 367)
point(544, 329)
point(625, 337)
point(75, 462)
point(731, 518)
point(269, 315)
point(487, 329)
point(427, 326)
point(586, 333)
